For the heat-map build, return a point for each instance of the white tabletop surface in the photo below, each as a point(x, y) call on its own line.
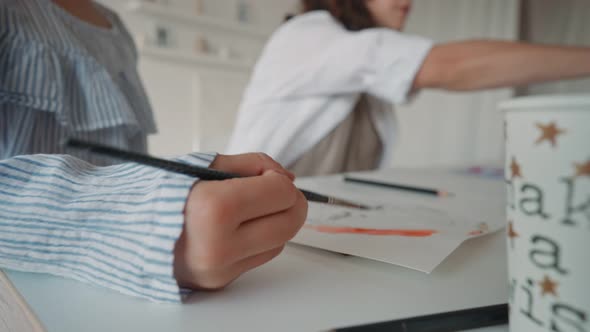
point(304, 289)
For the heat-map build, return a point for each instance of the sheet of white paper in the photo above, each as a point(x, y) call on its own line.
point(413, 230)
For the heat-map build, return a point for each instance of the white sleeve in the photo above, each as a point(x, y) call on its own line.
point(113, 226)
point(379, 61)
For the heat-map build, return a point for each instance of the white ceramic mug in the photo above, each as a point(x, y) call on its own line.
point(548, 211)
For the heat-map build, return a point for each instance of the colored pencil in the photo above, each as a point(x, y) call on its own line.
point(202, 173)
point(414, 189)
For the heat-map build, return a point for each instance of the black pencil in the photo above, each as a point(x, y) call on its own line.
point(202, 173)
point(444, 322)
point(414, 189)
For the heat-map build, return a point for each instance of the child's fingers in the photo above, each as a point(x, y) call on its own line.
point(235, 225)
point(249, 164)
point(255, 261)
point(219, 278)
point(237, 200)
point(262, 234)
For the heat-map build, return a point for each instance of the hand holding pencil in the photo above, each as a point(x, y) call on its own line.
point(235, 225)
point(238, 220)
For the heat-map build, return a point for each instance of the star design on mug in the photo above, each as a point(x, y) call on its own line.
point(511, 233)
point(582, 168)
point(515, 169)
point(548, 286)
point(549, 133)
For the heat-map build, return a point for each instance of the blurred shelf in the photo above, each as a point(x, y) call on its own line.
point(209, 61)
point(164, 12)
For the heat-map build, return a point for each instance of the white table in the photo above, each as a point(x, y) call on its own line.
point(304, 289)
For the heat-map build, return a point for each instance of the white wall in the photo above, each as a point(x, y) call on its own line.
point(564, 22)
point(264, 13)
point(442, 128)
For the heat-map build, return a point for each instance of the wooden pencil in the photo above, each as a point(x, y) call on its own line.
point(202, 173)
point(414, 189)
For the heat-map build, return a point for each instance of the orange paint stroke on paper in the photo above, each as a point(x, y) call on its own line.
point(372, 231)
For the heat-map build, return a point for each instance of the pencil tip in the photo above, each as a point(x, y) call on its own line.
point(350, 204)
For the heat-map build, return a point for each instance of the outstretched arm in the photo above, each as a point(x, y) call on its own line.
point(485, 64)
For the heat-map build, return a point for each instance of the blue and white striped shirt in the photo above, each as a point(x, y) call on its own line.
point(62, 77)
point(112, 226)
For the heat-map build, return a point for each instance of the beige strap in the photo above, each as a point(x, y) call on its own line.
point(353, 145)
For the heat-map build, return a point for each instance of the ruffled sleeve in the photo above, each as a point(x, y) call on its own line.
point(114, 227)
point(42, 68)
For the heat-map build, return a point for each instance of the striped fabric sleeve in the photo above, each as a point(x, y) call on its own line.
point(113, 226)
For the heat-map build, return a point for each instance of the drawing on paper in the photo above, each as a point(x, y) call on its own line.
point(390, 220)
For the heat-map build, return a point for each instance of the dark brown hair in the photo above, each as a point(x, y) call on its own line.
point(353, 14)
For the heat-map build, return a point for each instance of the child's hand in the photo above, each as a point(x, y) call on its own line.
point(235, 225)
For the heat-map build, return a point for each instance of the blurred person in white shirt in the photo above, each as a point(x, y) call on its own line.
point(322, 94)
